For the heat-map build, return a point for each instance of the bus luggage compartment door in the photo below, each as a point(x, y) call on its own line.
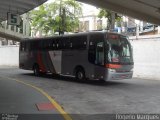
point(56, 58)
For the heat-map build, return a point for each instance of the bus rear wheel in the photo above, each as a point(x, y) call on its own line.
point(36, 70)
point(80, 74)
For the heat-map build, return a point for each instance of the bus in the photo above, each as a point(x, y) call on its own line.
point(93, 55)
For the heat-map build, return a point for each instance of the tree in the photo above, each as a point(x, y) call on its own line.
point(59, 16)
point(111, 16)
point(38, 19)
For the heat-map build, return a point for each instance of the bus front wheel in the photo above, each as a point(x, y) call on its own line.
point(80, 74)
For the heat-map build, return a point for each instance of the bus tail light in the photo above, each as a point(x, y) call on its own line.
point(113, 66)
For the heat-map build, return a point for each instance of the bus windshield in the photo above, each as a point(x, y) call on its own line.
point(120, 50)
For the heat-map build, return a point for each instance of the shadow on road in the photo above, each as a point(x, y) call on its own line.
point(72, 79)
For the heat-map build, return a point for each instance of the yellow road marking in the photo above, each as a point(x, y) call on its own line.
point(57, 106)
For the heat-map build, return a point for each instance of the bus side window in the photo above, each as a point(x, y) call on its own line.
point(35, 45)
point(78, 42)
point(100, 53)
point(46, 44)
point(59, 44)
point(66, 43)
point(50, 45)
point(72, 42)
point(53, 44)
point(83, 42)
point(28, 46)
point(96, 49)
point(91, 51)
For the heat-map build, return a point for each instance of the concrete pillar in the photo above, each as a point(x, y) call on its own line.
point(137, 22)
point(91, 21)
point(112, 21)
point(6, 41)
point(124, 24)
point(9, 27)
point(5, 25)
point(137, 31)
point(24, 25)
point(94, 23)
point(15, 28)
point(141, 26)
point(18, 30)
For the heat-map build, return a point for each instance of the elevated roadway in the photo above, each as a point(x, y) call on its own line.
point(11, 35)
point(15, 7)
point(146, 10)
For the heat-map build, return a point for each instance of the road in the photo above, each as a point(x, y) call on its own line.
point(88, 98)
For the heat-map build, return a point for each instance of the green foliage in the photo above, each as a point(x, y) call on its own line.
point(60, 15)
point(1, 24)
point(108, 14)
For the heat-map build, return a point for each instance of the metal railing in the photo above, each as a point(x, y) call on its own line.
point(11, 35)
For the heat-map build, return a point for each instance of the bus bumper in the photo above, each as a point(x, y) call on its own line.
point(113, 75)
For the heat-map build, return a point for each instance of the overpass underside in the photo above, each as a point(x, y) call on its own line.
point(146, 10)
point(11, 35)
point(15, 7)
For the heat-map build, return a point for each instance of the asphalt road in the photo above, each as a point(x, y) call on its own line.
point(94, 98)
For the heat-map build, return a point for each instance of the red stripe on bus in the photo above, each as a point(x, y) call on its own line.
point(40, 62)
point(113, 66)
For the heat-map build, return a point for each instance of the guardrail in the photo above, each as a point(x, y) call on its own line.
point(11, 35)
point(143, 37)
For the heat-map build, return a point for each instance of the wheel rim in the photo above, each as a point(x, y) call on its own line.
point(80, 75)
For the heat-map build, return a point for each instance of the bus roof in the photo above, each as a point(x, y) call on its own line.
point(71, 35)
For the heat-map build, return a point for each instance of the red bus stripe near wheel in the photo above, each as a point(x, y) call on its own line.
point(40, 62)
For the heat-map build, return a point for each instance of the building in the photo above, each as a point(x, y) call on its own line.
point(92, 22)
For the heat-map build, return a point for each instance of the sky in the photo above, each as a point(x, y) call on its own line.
point(87, 9)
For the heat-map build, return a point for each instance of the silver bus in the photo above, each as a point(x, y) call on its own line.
point(93, 55)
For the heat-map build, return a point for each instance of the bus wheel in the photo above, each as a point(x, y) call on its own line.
point(36, 70)
point(80, 74)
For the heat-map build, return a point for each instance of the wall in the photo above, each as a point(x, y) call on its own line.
point(9, 55)
point(147, 58)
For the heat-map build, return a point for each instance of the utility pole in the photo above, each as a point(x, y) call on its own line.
point(112, 20)
point(137, 28)
point(60, 9)
point(63, 21)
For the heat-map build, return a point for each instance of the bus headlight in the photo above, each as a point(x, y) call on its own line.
point(112, 70)
point(131, 70)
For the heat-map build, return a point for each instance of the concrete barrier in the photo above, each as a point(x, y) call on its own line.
point(9, 56)
point(146, 54)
